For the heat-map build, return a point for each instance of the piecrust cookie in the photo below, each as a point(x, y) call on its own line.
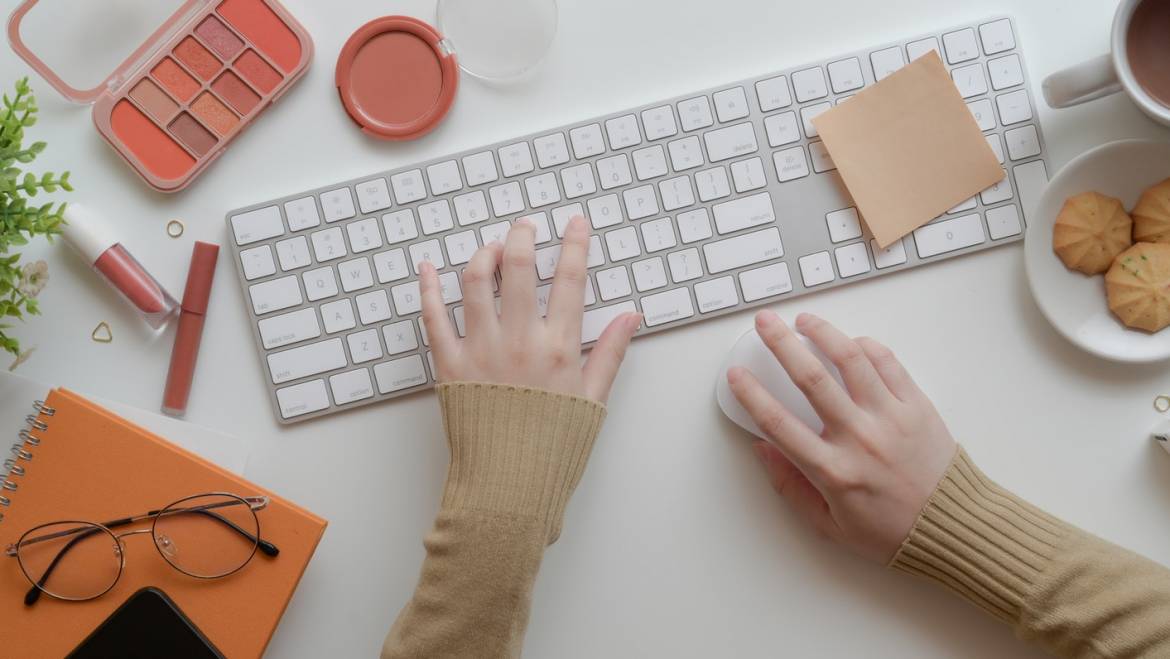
point(1138, 286)
point(1090, 231)
point(1151, 216)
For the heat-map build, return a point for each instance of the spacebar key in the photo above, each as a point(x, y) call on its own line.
point(596, 320)
point(743, 250)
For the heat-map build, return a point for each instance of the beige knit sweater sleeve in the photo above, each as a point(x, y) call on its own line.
point(516, 456)
point(1071, 592)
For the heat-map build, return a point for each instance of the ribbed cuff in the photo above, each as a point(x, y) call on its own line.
point(516, 450)
point(981, 541)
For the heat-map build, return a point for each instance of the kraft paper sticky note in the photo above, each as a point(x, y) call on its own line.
point(908, 149)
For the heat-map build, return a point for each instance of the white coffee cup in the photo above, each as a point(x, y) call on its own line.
point(1105, 75)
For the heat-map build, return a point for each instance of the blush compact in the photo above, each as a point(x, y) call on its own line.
point(397, 76)
point(172, 82)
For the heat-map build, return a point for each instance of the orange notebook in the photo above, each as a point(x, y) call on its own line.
point(92, 465)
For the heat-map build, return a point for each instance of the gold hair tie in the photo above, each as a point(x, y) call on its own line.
point(174, 228)
point(102, 333)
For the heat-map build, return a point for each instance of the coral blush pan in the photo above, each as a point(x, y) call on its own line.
point(198, 81)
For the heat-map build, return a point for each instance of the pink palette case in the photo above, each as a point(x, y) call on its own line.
point(204, 71)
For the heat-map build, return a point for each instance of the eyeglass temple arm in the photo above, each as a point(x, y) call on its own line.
point(30, 598)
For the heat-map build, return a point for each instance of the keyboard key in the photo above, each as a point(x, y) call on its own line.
point(337, 205)
point(320, 284)
point(605, 211)
point(471, 208)
point(623, 244)
point(695, 113)
point(685, 153)
point(426, 251)
point(542, 190)
point(1031, 179)
point(886, 61)
point(996, 146)
point(302, 213)
point(807, 114)
point(916, 49)
point(893, 255)
point(623, 132)
point(495, 233)
point(1003, 222)
point(407, 299)
point(307, 360)
point(694, 225)
point(742, 250)
point(355, 275)
point(301, 399)
point(506, 199)
point(408, 187)
point(716, 294)
point(730, 142)
point(810, 84)
point(460, 246)
point(450, 288)
point(551, 150)
point(400, 337)
point(257, 262)
point(587, 141)
point(1001, 191)
point(649, 274)
point(364, 346)
point(676, 193)
point(594, 321)
point(578, 181)
point(662, 308)
point(640, 202)
point(791, 164)
point(731, 104)
point(539, 222)
point(338, 316)
point(970, 204)
point(563, 214)
point(293, 253)
point(852, 260)
point(765, 282)
point(960, 46)
point(1013, 107)
point(659, 123)
point(400, 226)
point(1006, 72)
point(657, 235)
point(399, 374)
point(373, 195)
point(816, 269)
point(843, 225)
point(997, 36)
point(515, 159)
point(614, 171)
point(685, 265)
point(845, 75)
point(289, 328)
point(260, 224)
point(712, 184)
point(650, 162)
point(328, 244)
point(364, 235)
point(744, 212)
point(821, 160)
point(984, 116)
point(948, 236)
point(613, 283)
point(480, 168)
point(970, 80)
point(773, 93)
point(351, 387)
point(781, 129)
point(391, 266)
point(435, 217)
point(444, 177)
point(1022, 142)
point(748, 175)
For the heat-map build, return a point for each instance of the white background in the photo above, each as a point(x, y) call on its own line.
point(674, 544)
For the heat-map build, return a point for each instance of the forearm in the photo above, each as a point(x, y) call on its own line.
point(1071, 592)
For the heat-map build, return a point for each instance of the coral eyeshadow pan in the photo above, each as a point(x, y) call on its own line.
point(197, 58)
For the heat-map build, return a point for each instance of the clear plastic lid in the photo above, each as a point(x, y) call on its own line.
point(498, 40)
point(83, 47)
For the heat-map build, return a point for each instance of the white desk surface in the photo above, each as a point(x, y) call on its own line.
point(674, 545)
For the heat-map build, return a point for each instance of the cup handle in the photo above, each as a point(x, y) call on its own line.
point(1084, 82)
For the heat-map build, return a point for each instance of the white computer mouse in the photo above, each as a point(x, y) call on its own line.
point(751, 353)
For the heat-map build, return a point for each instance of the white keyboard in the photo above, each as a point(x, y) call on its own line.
point(703, 204)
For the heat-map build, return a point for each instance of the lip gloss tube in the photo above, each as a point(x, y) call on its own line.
point(90, 236)
point(191, 316)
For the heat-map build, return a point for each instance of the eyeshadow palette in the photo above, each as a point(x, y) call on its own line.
point(173, 105)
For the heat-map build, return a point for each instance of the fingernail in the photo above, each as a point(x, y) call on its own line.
point(805, 319)
point(762, 453)
point(734, 374)
point(524, 221)
point(634, 322)
point(767, 318)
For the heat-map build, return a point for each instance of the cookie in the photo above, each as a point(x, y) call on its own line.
point(1090, 231)
point(1151, 216)
point(1138, 286)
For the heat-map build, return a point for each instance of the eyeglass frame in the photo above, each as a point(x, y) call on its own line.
point(253, 503)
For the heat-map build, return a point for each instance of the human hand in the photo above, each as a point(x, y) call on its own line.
point(517, 346)
point(864, 480)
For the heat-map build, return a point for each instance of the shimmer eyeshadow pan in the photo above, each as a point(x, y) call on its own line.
point(193, 134)
point(198, 59)
point(258, 72)
point(172, 76)
point(236, 92)
point(221, 39)
point(214, 113)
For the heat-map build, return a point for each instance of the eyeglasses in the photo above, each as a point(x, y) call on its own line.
point(206, 536)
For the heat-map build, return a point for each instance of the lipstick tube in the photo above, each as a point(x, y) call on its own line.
point(190, 333)
point(90, 236)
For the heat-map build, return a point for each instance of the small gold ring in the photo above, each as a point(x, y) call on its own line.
point(174, 228)
point(1162, 403)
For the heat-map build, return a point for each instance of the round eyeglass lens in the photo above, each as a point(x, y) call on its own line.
point(207, 536)
point(70, 560)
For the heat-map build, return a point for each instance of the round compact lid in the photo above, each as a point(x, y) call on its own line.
point(397, 77)
point(499, 40)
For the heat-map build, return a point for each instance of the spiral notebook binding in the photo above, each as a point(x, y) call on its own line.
point(22, 452)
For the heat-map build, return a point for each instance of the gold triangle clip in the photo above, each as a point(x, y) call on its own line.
point(102, 333)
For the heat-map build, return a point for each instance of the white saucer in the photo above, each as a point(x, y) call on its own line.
point(1075, 303)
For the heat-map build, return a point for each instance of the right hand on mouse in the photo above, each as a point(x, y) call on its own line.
point(863, 481)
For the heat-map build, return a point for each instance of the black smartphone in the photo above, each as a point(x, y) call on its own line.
point(147, 625)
